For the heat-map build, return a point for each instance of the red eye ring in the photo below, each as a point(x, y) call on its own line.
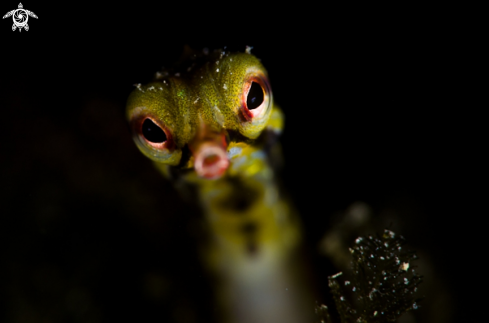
point(167, 143)
point(249, 86)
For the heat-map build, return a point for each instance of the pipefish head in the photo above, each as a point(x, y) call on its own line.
point(188, 115)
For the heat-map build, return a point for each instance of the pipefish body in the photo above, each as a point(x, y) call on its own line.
point(211, 125)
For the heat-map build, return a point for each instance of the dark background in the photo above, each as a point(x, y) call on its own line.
point(376, 111)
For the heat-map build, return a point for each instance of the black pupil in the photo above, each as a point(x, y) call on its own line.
point(153, 132)
point(255, 96)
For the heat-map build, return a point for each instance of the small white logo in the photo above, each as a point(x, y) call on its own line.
point(20, 17)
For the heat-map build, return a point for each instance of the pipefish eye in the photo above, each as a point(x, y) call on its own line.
point(256, 98)
point(153, 138)
point(152, 132)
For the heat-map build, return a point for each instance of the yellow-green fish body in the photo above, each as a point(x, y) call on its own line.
point(212, 126)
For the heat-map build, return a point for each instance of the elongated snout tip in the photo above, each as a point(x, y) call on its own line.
point(211, 161)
